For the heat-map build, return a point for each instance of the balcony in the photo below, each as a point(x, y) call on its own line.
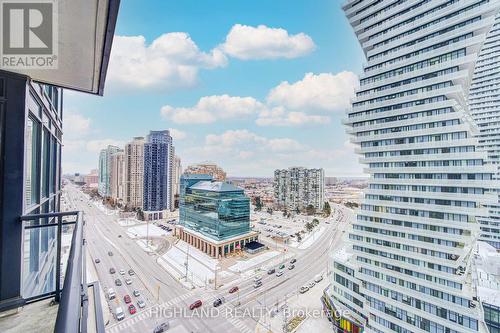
point(55, 292)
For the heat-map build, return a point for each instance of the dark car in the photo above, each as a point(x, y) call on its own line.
point(118, 282)
point(131, 272)
point(195, 305)
point(161, 328)
point(233, 290)
point(97, 261)
point(291, 267)
point(293, 261)
point(110, 253)
point(127, 299)
point(218, 301)
point(112, 270)
point(271, 271)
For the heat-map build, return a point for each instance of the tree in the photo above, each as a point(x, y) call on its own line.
point(309, 226)
point(297, 210)
point(299, 237)
point(310, 210)
point(285, 213)
point(258, 204)
point(315, 222)
point(140, 214)
point(327, 210)
point(270, 211)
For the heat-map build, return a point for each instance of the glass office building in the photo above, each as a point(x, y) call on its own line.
point(217, 210)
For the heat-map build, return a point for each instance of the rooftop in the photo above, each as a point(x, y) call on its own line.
point(216, 187)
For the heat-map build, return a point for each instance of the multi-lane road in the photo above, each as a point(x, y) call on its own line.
point(167, 300)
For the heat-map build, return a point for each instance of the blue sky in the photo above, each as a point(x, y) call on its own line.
point(251, 85)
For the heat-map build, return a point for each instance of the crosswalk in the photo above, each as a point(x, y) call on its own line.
point(147, 313)
point(237, 323)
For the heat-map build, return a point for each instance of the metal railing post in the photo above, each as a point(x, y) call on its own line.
point(58, 259)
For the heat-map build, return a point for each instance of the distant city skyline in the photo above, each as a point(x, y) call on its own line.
point(223, 99)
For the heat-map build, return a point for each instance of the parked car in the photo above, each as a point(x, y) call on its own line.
point(257, 284)
point(141, 304)
point(282, 266)
point(318, 278)
point(195, 305)
point(132, 309)
point(218, 301)
point(110, 253)
point(257, 278)
point(128, 282)
point(161, 328)
point(131, 272)
point(137, 293)
point(291, 267)
point(279, 273)
point(127, 299)
point(293, 261)
point(118, 282)
point(233, 290)
point(119, 314)
point(97, 260)
point(311, 284)
point(122, 272)
point(271, 271)
point(112, 270)
point(303, 289)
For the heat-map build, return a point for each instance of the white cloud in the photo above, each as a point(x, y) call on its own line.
point(95, 146)
point(212, 108)
point(177, 134)
point(278, 116)
point(75, 125)
point(170, 61)
point(325, 91)
point(247, 42)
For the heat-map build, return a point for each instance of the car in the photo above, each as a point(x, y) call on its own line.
point(137, 293)
point(271, 271)
point(233, 290)
point(195, 305)
point(110, 253)
point(122, 272)
point(119, 236)
point(161, 328)
point(141, 304)
point(119, 314)
point(131, 272)
point(257, 278)
point(282, 266)
point(97, 260)
point(127, 299)
point(293, 261)
point(318, 278)
point(311, 284)
point(279, 273)
point(111, 294)
point(112, 270)
point(303, 289)
point(132, 309)
point(118, 282)
point(257, 284)
point(128, 282)
point(218, 301)
point(291, 267)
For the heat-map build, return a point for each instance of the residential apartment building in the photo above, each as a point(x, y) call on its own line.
point(117, 178)
point(105, 170)
point(207, 168)
point(158, 168)
point(407, 266)
point(484, 105)
point(176, 181)
point(134, 173)
point(297, 188)
point(92, 179)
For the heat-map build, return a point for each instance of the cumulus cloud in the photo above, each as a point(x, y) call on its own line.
point(278, 116)
point(95, 146)
point(177, 134)
point(247, 42)
point(212, 108)
point(170, 61)
point(325, 91)
point(75, 125)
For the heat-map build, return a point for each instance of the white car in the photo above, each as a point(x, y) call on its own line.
point(111, 294)
point(122, 271)
point(119, 314)
point(141, 304)
point(311, 284)
point(279, 273)
point(303, 289)
point(128, 281)
point(257, 278)
point(318, 278)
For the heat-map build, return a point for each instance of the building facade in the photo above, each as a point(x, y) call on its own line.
point(408, 264)
point(176, 182)
point(92, 179)
point(104, 186)
point(297, 188)
point(158, 167)
point(206, 168)
point(118, 179)
point(484, 105)
point(134, 173)
point(214, 216)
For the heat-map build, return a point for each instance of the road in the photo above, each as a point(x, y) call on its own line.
point(163, 294)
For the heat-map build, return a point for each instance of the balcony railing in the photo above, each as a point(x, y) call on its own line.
point(52, 242)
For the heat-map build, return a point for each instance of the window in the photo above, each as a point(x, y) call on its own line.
point(32, 162)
